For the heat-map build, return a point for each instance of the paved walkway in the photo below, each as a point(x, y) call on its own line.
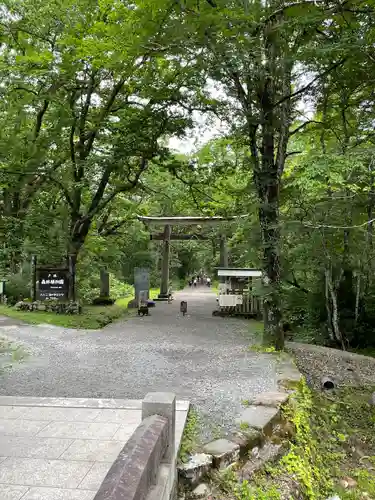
point(199, 357)
point(62, 449)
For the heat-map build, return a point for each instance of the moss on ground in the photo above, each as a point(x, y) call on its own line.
point(190, 437)
point(332, 451)
point(92, 317)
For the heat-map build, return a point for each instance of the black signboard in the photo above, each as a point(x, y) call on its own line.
point(53, 284)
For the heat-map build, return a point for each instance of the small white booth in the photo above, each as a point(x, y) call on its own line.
point(237, 292)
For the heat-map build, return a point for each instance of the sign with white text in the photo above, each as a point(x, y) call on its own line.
point(53, 284)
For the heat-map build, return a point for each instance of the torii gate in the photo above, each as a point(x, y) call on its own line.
point(167, 236)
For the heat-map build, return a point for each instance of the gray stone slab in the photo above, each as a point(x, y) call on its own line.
point(95, 476)
point(124, 432)
point(127, 404)
point(270, 399)
point(182, 405)
point(42, 472)
point(219, 447)
point(58, 494)
point(223, 451)
point(9, 492)
point(61, 414)
point(34, 447)
point(79, 430)
point(135, 404)
point(258, 417)
point(119, 416)
point(21, 427)
point(11, 412)
point(93, 450)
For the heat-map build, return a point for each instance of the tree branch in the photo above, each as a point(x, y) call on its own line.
point(301, 127)
point(39, 118)
point(310, 84)
point(122, 189)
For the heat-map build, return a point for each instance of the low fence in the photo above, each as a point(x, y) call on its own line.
point(146, 467)
point(247, 304)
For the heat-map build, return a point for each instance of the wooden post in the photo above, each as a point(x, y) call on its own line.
point(164, 284)
point(72, 277)
point(33, 278)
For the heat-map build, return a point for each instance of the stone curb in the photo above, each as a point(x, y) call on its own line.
point(256, 423)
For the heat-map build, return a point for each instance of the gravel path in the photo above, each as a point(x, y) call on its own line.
point(199, 357)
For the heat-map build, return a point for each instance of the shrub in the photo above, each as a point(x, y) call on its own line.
point(17, 287)
point(119, 289)
point(103, 301)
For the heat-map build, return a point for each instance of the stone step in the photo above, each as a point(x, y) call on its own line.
point(259, 417)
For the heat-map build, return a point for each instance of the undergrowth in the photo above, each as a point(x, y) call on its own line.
point(330, 428)
point(333, 442)
point(190, 436)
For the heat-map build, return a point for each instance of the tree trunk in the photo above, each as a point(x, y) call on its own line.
point(370, 228)
point(79, 229)
point(266, 177)
point(72, 263)
point(335, 313)
point(357, 297)
point(328, 308)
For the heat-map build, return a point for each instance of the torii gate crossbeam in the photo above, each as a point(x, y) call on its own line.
point(168, 222)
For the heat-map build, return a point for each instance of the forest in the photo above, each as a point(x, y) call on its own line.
point(280, 99)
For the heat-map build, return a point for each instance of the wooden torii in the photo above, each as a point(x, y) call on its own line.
point(166, 236)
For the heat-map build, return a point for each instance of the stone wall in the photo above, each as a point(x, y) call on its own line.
point(146, 467)
point(49, 306)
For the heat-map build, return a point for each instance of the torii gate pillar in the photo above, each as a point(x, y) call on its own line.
point(164, 284)
point(223, 253)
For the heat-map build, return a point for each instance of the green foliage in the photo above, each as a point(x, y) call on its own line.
point(103, 301)
point(245, 491)
point(17, 287)
point(228, 483)
point(92, 317)
point(120, 289)
point(261, 348)
point(333, 439)
point(244, 426)
point(190, 436)
point(308, 465)
point(92, 95)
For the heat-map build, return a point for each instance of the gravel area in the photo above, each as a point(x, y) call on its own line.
point(346, 368)
point(199, 357)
